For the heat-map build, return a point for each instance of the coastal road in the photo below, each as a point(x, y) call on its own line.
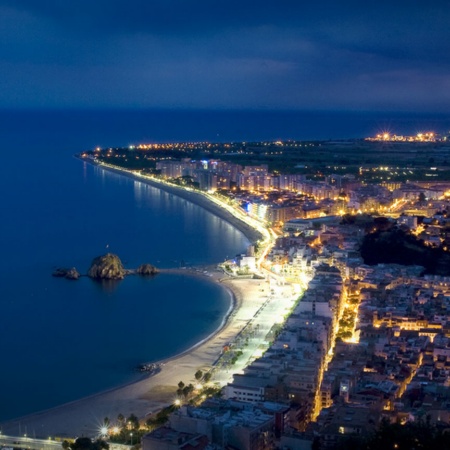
point(29, 443)
point(41, 444)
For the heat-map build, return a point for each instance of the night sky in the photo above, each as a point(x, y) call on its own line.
point(276, 54)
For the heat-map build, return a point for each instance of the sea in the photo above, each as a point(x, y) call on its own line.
point(61, 340)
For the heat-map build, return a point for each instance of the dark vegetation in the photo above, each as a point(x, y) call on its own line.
point(391, 245)
point(160, 418)
point(85, 443)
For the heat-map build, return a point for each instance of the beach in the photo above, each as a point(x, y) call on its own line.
point(83, 417)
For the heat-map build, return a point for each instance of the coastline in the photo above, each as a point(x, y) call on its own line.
point(84, 416)
point(192, 196)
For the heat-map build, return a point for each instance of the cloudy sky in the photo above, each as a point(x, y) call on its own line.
point(270, 54)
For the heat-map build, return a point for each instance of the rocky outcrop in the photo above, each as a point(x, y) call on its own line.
point(107, 267)
point(72, 274)
point(147, 269)
point(60, 272)
point(63, 272)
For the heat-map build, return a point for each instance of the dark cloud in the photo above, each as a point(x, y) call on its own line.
point(285, 54)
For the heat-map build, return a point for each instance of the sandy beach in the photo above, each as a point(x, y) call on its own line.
point(83, 417)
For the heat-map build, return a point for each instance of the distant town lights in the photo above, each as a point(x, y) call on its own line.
point(429, 136)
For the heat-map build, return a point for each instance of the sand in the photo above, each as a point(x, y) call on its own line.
point(84, 417)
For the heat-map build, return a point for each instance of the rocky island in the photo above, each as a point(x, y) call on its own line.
point(147, 269)
point(106, 267)
point(70, 274)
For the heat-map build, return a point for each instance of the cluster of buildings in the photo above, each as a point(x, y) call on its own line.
point(394, 363)
point(275, 198)
point(363, 343)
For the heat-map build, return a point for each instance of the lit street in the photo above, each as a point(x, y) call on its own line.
point(29, 443)
point(254, 339)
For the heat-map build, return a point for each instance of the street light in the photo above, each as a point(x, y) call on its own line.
point(131, 438)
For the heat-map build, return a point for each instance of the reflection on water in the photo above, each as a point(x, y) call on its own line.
point(106, 327)
point(107, 286)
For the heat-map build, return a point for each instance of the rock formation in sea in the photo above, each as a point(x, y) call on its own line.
point(70, 274)
point(107, 267)
point(147, 269)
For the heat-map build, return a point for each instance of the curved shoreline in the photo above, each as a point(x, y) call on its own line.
point(192, 196)
point(84, 416)
point(52, 412)
point(153, 391)
point(234, 304)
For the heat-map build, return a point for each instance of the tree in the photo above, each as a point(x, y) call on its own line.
point(82, 443)
point(187, 390)
point(198, 375)
point(181, 385)
point(207, 377)
point(121, 419)
point(133, 421)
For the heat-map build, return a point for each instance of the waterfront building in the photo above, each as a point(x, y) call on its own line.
point(176, 169)
point(206, 179)
point(246, 262)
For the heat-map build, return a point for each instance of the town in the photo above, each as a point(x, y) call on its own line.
point(367, 245)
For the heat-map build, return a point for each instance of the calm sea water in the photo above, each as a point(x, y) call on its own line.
point(60, 340)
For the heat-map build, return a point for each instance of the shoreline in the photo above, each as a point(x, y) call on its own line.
point(83, 417)
point(153, 391)
point(194, 197)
